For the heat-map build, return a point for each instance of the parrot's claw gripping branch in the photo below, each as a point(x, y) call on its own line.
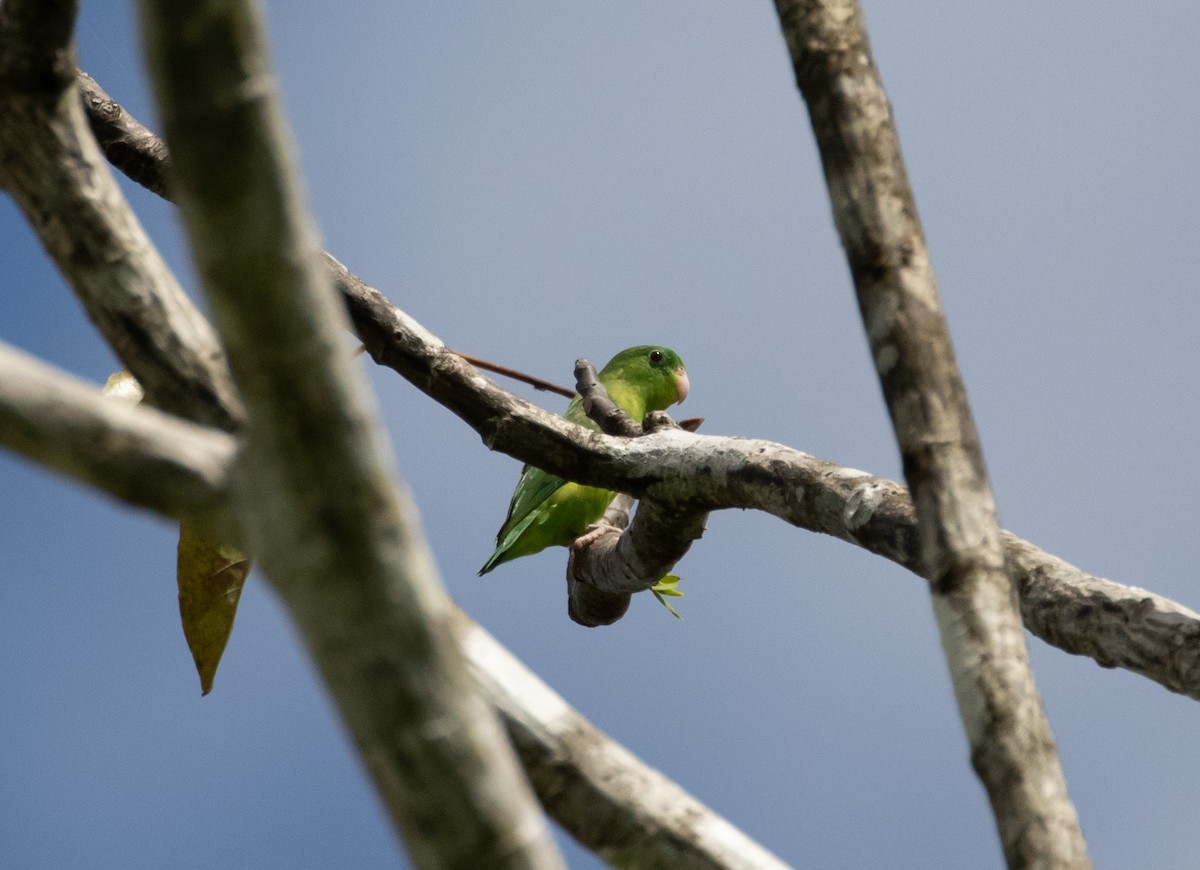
point(609, 562)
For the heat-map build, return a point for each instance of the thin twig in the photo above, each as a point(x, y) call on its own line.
point(535, 382)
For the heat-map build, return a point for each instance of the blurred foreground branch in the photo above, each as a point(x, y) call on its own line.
point(318, 500)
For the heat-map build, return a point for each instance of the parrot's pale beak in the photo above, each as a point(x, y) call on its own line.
point(682, 385)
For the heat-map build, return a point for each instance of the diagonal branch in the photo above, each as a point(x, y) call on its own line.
point(961, 550)
point(50, 164)
point(627, 813)
point(136, 454)
point(128, 145)
point(320, 505)
point(1114, 624)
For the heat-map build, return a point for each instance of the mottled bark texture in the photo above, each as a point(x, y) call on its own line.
point(129, 146)
point(335, 533)
point(961, 551)
point(51, 166)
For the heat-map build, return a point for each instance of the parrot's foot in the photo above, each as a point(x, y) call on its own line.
point(587, 604)
point(592, 534)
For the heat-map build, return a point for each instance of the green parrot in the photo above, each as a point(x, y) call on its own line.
point(547, 510)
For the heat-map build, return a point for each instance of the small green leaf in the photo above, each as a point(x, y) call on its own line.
point(664, 587)
point(666, 604)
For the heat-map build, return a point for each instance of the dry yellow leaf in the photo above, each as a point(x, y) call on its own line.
point(210, 576)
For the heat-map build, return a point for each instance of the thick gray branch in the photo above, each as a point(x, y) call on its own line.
point(870, 512)
point(961, 549)
point(50, 164)
point(139, 455)
point(335, 534)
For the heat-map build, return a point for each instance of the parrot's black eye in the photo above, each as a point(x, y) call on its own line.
point(656, 356)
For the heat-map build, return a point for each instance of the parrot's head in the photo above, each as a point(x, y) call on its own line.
point(648, 376)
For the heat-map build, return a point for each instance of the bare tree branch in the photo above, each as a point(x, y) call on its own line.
point(50, 164)
point(960, 545)
point(599, 406)
point(138, 455)
point(129, 146)
point(1116, 625)
point(320, 504)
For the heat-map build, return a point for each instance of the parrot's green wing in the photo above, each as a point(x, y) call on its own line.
point(534, 487)
point(545, 511)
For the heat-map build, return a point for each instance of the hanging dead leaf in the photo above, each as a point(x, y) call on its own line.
point(210, 576)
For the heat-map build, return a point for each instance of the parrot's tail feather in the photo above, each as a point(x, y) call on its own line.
point(493, 560)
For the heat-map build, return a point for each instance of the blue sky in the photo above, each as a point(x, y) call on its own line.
point(539, 181)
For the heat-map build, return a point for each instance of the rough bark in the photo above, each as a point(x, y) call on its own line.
point(615, 559)
point(51, 166)
point(959, 537)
